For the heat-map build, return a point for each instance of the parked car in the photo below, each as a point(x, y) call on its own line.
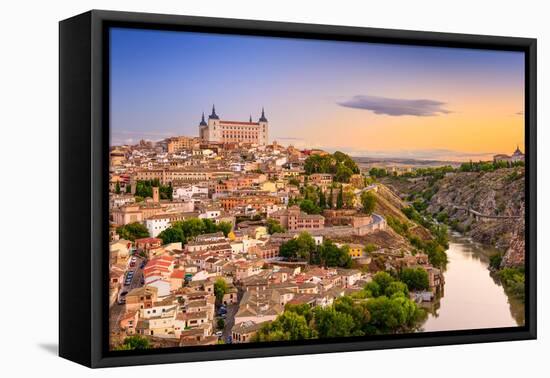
point(219, 333)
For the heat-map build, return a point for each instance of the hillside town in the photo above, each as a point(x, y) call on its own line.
point(212, 237)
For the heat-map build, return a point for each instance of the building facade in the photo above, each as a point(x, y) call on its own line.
point(222, 131)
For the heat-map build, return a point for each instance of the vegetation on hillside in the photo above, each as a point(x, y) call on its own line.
point(339, 164)
point(382, 307)
point(132, 231)
point(303, 248)
point(182, 231)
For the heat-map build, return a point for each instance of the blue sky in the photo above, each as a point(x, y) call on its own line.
point(161, 82)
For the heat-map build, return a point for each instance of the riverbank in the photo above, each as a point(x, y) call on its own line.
point(473, 297)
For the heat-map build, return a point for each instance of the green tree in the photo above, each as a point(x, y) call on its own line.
point(273, 226)
point(220, 289)
point(132, 231)
point(495, 261)
point(415, 278)
point(288, 326)
point(308, 206)
point(135, 342)
point(331, 323)
point(379, 284)
point(322, 200)
point(332, 255)
point(340, 198)
point(368, 200)
point(172, 235)
point(221, 323)
point(369, 248)
point(330, 199)
point(300, 248)
point(348, 198)
point(225, 227)
point(117, 188)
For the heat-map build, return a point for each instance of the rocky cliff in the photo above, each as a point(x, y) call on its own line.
point(488, 206)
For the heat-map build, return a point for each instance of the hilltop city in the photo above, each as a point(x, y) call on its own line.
point(226, 237)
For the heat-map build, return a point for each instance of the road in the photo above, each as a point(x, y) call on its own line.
point(117, 310)
point(229, 320)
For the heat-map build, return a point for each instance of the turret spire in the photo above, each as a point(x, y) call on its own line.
point(203, 122)
point(262, 118)
point(250, 119)
point(213, 115)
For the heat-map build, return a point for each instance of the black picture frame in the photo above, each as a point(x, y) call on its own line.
point(83, 163)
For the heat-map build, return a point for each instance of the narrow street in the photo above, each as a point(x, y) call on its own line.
point(229, 320)
point(117, 310)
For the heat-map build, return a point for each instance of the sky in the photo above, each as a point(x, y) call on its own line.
point(365, 99)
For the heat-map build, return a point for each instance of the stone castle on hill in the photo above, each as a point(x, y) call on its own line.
point(222, 131)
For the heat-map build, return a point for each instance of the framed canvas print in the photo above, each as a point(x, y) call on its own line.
point(234, 188)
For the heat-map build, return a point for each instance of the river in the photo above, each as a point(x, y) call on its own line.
point(472, 298)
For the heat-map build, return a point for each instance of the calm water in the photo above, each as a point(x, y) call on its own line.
point(472, 298)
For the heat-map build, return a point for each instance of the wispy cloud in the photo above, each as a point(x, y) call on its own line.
point(519, 113)
point(396, 106)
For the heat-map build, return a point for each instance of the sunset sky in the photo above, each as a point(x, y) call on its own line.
point(364, 99)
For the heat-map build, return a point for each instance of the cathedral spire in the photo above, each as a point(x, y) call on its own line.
point(262, 118)
point(250, 119)
point(203, 122)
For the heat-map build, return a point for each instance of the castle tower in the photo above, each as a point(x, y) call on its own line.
point(203, 129)
point(263, 132)
point(214, 131)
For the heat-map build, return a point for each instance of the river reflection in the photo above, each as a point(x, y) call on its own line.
point(472, 298)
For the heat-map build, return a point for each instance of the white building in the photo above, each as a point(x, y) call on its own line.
point(156, 224)
point(187, 192)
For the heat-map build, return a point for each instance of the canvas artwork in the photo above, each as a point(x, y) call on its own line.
point(268, 189)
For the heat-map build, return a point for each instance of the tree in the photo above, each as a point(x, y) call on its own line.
point(117, 188)
point(331, 255)
point(386, 315)
point(300, 248)
point(330, 197)
point(225, 227)
point(415, 278)
point(340, 198)
point(322, 200)
point(368, 200)
point(172, 235)
point(308, 206)
point(369, 248)
point(220, 289)
point(288, 326)
point(396, 287)
point(331, 323)
point(221, 323)
point(379, 284)
point(273, 226)
point(132, 231)
point(349, 198)
point(135, 342)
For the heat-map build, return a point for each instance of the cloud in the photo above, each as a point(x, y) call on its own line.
point(519, 113)
point(396, 106)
